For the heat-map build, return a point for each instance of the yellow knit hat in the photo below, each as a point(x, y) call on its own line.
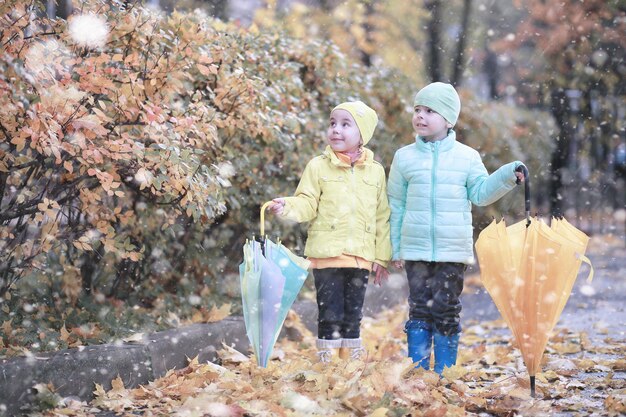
point(365, 117)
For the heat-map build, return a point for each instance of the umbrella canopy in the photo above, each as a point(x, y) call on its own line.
point(529, 270)
point(271, 277)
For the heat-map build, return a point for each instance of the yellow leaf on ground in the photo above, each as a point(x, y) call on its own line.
point(117, 384)
point(6, 327)
point(619, 365)
point(228, 354)
point(616, 403)
point(455, 372)
point(134, 338)
point(99, 391)
point(298, 330)
point(379, 412)
point(217, 314)
point(65, 335)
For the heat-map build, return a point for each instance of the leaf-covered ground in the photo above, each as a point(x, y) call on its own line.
point(583, 372)
point(578, 378)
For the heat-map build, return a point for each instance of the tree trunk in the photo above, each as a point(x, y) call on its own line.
point(126, 276)
point(217, 8)
point(90, 261)
point(560, 156)
point(65, 8)
point(366, 57)
point(7, 277)
point(434, 25)
point(490, 67)
point(459, 61)
point(325, 5)
point(51, 8)
point(128, 273)
point(58, 8)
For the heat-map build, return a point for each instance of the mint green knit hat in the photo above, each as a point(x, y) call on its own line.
point(442, 98)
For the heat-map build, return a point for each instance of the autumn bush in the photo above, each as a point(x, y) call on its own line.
point(135, 155)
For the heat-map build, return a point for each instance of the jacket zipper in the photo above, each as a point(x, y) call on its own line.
point(350, 248)
point(435, 151)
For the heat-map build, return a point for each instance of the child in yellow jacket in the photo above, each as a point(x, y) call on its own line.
point(342, 193)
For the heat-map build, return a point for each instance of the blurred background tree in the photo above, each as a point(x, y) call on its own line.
point(568, 57)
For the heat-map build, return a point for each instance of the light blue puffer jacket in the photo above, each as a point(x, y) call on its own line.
point(431, 188)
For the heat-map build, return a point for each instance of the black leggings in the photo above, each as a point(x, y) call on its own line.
point(340, 296)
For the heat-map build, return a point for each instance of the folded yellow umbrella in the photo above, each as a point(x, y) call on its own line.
point(529, 270)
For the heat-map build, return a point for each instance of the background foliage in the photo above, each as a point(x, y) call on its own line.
point(568, 57)
point(132, 169)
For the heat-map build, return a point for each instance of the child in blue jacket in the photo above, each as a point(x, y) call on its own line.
point(432, 185)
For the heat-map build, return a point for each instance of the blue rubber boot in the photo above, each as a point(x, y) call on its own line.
point(419, 336)
point(446, 348)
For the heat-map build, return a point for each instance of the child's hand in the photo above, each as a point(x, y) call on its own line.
point(381, 274)
point(277, 206)
point(519, 173)
point(397, 264)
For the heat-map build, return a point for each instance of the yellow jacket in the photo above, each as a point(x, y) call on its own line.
point(347, 207)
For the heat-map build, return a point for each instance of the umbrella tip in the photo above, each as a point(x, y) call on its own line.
point(532, 387)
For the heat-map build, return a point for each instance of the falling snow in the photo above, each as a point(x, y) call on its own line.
point(89, 30)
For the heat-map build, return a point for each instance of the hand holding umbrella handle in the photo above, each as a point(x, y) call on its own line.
point(263, 208)
point(522, 168)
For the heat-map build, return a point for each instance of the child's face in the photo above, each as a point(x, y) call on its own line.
point(429, 124)
point(343, 134)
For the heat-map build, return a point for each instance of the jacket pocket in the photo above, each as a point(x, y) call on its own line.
point(333, 193)
point(369, 240)
point(333, 187)
point(372, 182)
point(321, 226)
point(332, 179)
point(369, 191)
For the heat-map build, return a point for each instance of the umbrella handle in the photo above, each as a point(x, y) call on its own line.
point(524, 170)
point(263, 208)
